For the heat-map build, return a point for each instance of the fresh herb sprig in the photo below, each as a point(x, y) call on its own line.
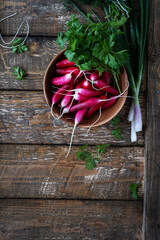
point(115, 120)
point(116, 132)
point(134, 187)
point(18, 49)
point(90, 158)
point(19, 73)
point(102, 148)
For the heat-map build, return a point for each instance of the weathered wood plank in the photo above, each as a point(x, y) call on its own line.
point(26, 118)
point(41, 171)
point(52, 220)
point(45, 18)
point(152, 166)
point(35, 62)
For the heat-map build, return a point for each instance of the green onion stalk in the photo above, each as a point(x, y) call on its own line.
point(138, 34)
point(138, 28)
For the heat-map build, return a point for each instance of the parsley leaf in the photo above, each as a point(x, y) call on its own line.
point(87, 157)
point(18, 73)
point(90, 158)
point(115, 120)
point(20, 49)
point(102, 148)
point(94, 45)
point(61, 40)
point(91, 163)
point(117, 132)
point(134, 187)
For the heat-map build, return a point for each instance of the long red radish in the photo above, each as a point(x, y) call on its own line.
point(68, 97)
point(94, 76)
point(58, 95)
point(109, 103)
point(59, 81)
point(72, 70)
point(106, 77)
point(89, 92)
point(100, 112)
point(78, 118)
point(67, 108)
point(79, 97)
point(100, 84)
point(79, 85)
point(91, 102)
point(63, 71)
point(64, 63)
point(94, 108)
point(86, 104)
point(86, 84)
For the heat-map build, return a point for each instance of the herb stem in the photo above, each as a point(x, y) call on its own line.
point(96, 16)
point(81, 11)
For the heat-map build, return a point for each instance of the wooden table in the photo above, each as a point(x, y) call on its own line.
point(45, 196)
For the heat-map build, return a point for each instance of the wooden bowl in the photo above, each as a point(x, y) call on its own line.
point(107, 114)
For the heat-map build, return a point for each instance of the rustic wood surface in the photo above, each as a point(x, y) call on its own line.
point(152, 167)
point(73, 220)
point(38, 185)
point(44, 19)
point(26, 118)
point(40, 171)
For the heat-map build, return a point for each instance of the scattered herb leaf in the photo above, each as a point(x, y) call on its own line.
point(115, 120)
point(102, 148)
point(19, 73)
point(117, 132)
point(20, 49)
point(90, 164)
point(86, 156)
point(90, 158)
point(134, 187)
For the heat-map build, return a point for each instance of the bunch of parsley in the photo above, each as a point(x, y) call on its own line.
point(94, 45)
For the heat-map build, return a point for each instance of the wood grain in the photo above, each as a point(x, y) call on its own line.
point(41, 171)
point(78, 220)
point(26, 118)
point(152, 166)
point(45, 18)
point(35, 61)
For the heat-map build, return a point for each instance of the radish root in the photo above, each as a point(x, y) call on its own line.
point(100, 113)
point(70, 145)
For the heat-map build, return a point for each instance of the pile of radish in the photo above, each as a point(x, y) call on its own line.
point(81, 92)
